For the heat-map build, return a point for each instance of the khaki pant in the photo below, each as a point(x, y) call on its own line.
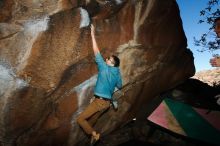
point(96, 106)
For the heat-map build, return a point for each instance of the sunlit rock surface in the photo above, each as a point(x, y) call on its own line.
point(210, 77)
point(47, 68)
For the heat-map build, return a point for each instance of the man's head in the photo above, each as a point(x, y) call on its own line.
point(113, 61)
point(217, 26)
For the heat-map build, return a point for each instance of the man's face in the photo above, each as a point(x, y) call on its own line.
point(217, 28)
point(109, 61)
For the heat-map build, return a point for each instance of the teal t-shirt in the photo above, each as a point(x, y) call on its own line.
point(108, 78)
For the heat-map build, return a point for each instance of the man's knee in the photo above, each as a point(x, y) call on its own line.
point(79, 119)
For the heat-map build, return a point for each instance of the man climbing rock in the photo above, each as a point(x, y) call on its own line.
point(109, 77)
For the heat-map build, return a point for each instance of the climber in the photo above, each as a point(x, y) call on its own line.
point(109, 78)
point(215, 61)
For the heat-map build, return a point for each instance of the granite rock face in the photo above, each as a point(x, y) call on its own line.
point(47, 68)
point(208, 76)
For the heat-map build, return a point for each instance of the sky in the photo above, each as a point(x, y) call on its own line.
point(190, 15)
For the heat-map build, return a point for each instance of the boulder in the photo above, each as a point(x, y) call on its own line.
point(47, 68)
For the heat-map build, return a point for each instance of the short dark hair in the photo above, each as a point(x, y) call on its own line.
point(116, 60)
